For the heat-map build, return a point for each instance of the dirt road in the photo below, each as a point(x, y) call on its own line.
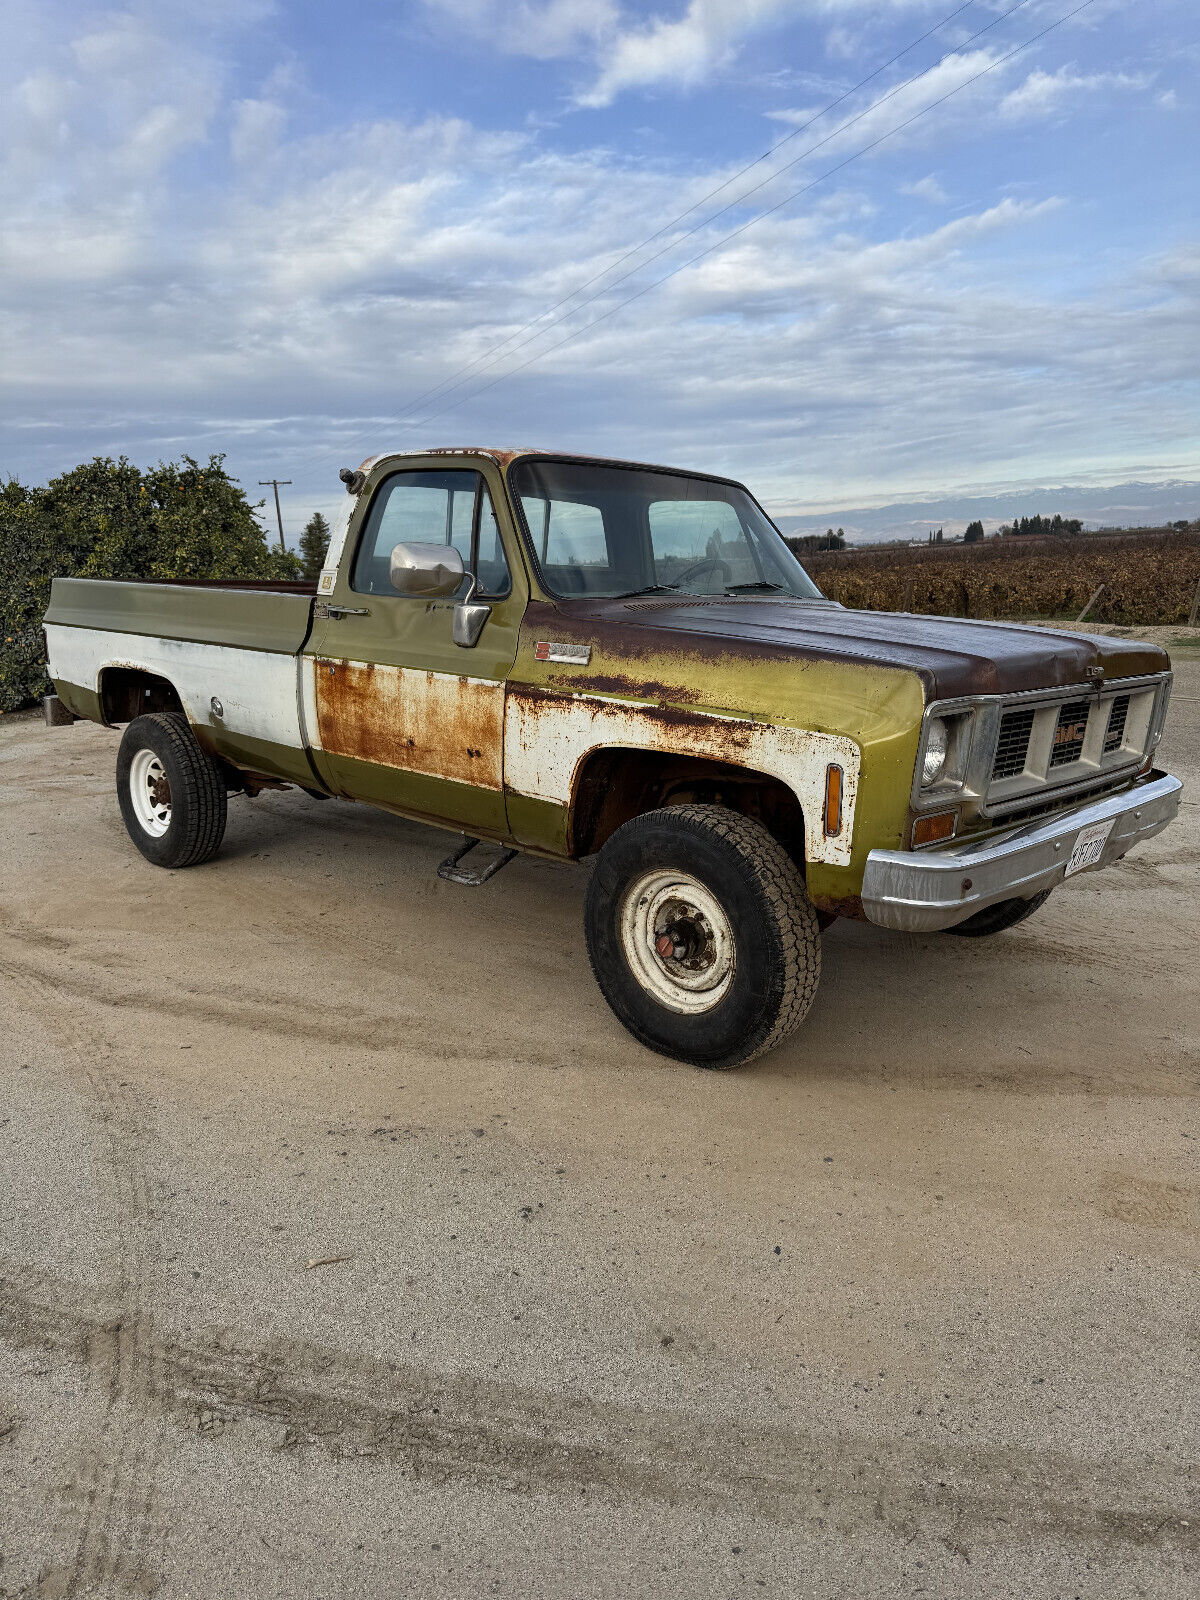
point(907, 1308)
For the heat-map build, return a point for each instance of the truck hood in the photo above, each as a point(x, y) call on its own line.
point(954, 655)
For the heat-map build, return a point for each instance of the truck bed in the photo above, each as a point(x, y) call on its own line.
point(251, 616)
point(225, 652)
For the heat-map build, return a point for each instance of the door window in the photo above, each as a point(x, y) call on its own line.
point(452, 508)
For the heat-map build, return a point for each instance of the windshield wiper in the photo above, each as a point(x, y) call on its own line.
point(651, 588)
point(748, 588)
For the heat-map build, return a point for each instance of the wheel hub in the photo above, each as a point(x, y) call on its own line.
point(150, 792)
point(686, 938)
point(678, 941)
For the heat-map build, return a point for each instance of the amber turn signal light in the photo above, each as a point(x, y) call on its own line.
point(833, 800)
point(928, 830)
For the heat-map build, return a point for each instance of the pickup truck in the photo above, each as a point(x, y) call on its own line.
point(583, 658)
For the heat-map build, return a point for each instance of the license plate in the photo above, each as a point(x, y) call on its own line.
point(1089, 846)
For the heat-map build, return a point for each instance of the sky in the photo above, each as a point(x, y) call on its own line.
point(301, 234)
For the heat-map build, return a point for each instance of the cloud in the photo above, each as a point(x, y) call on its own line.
point(926, 189)
point(1045, 93)
point(683, 52)
point(256, 130)
point(543, 29)
point(626, 52)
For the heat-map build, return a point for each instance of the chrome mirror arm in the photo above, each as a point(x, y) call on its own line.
point(469, 617)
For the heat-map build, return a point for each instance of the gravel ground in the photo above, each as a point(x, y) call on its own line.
point(906, 1308)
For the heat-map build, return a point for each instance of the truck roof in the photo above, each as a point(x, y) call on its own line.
point(504, 454)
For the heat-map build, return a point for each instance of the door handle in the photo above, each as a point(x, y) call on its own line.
point(341, 611)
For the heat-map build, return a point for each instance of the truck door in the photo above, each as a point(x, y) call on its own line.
point(396, 712)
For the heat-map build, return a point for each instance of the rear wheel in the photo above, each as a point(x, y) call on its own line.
point(995, 919)
point(701, 935)
point(171, 792)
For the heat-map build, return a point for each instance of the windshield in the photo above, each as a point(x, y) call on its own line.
point(601, 530)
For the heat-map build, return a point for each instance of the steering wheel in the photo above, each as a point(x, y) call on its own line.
point(709, 563)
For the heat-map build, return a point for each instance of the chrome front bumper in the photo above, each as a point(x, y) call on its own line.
point(921, 891)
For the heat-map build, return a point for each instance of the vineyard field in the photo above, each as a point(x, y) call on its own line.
point(1146, 577)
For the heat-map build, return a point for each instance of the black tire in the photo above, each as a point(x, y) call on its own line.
point(759, 890)
point(995, 919)
point(195, 804)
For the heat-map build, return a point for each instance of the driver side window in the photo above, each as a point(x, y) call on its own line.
point(452, 508)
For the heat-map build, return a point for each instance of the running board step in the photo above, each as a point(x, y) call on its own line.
point(453, 873)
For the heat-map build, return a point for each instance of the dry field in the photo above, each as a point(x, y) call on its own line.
point(1148, 577)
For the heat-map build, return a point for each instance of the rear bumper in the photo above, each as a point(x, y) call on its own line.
point(921, 891)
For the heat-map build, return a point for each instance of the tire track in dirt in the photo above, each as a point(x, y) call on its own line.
point(507, 1438)
point(112, 1539)
point(252, 1010)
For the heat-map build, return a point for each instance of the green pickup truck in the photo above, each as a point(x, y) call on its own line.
point(587, 658)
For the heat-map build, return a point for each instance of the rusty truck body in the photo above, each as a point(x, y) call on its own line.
point(583, 658)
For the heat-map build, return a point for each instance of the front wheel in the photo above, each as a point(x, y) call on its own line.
point(171, 792)
point(701, 934)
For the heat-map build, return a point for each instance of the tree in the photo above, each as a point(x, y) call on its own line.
point(107, 519)
point(974, 532)
point(314, 542)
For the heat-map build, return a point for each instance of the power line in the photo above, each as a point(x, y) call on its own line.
point(711, 195)
point(768, 211)
point(489, 357)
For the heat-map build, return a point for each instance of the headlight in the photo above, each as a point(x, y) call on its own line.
point(937, 745)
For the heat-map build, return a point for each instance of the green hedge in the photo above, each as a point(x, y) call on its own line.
point(107, 519)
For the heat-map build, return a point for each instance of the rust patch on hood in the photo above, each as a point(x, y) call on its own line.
point(625, 686)
point(433, 723)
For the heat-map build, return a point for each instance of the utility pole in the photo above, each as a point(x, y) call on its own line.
point(275, 482)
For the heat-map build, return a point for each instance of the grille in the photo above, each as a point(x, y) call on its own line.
point(1114, 737)
point(1043, 808)
point(1070, 732)
point(1013, 745)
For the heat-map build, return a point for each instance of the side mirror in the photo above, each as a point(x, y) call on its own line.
point(426, 571)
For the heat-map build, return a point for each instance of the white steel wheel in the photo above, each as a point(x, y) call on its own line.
point(171, 791)
point(678, 941)
point(150, 792)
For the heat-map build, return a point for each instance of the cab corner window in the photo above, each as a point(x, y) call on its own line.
point(452, 507)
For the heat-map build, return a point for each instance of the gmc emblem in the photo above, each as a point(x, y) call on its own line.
point(1070, 733)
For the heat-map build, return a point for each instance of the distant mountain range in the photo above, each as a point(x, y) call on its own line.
point(1121, 505)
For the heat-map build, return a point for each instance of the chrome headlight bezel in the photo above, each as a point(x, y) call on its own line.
point(943, 754)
